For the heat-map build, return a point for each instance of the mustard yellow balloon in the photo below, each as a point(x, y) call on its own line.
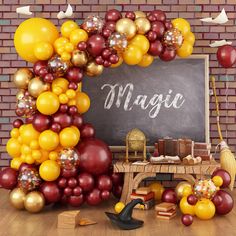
point(182, 25)
point(132, 55)
point(158, 190)
point(43, 50)
point(146, 60)
point(28, 133)
point(185, 207)
point(217, 180)
point(187, 190)
point(61, 83)
point(49, 170)
point(15, 133)
point(60, 42)
point(13, 147)
point(47, 103)
point(67, 27)
point(185, 50)
point(82, 102)
point(69, 137)
point(48, 140)
point(16, 162)
point(142, 42)
point(29, 33)
point(78, 35)
point(205, 209)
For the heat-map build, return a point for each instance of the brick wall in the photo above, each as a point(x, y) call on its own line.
point(192, 10)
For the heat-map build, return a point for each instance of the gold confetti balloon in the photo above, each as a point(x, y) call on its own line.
point(143, 25)
point(68, 158)
point(173, 39)
point(22, 78)
point(57, 66)
point(79, 58)
point(37, 86)
point(93, 24)
point(118, 41)
point(204, 189)
point(34, 202)
point(17, 197)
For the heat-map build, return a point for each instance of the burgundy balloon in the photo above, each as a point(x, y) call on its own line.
point(51, 192)
point(130, 15)
point(48, 78)
point(86, 181)
point(113, 15)
point(19, 112)
point(159, 28)
point(38, 65)
point(155, 48)
point(63, 119)
point(151, 18)
point(74, 74)
point(72, 182)
point(106, 32)
point(63, 108)
point(94, 197)
point(73, 85)
point(24, 166)
point(99, 60)
point(227, 203)
point(95, 156)
point(68, 191)
point(113, 59)
point(8, 178)
point(62, 182)
point(104, 182)
point(67, 173)
point(167, 54)
point(106, 53)
point(77, 120)
point(82, 46)
point(224, 175)
point(226, 56)
point(105, 195)
point(73, 110)
point(187, 219)
point(217, 200)
point(96, 43)
point(43, 71)
point(17, 123)
point(55, 127)
point(106, 63)
point(159, 14)
point(117, 178)
point(41, 122)
point(170, 196)
point(192, 199)
point(87, 131)
point(111, 25)
point(29, 120)
point(152, 36)
point(77, 191)
point(168, 25)
point(76, 201)
point(117, 190)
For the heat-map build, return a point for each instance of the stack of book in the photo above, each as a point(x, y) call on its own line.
point(165, 210)
point(145, 194)
point(203, 150)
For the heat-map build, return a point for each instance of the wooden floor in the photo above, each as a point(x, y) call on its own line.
point(22, 223)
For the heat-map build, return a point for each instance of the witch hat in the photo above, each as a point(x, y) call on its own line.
point(124, 219)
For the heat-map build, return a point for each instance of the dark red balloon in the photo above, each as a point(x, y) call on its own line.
point(192, 199)
point(96, 43)
point(95, 156)
point(87, 131)
point(106, 33)
point(155, 48)
point(56, 127)
point(77, 120)
point(227, 203)
point(187, 219)
point(117, 178)
point(8, 178)
point(17, 123)
point(76, 201)
point(130, 15)
point(38, 65)
point(152, 36)
point(159, 14)
point(68, 173)
point(167, 54)
point(159, 28)
point(63, 119)
point(51, 192)
point(226, 56)
point(170, 196)
point(86, 181)
point(94, 197)
point(63, 108)
point(48, 78)
point(106, 63)
point(113, 59)
point(62, 182)
point(224, 175)
point(73, 110)
point(24, 166)
point(217, 200)
point(105, 195)
point(106, 53)
point(117, 190)
point(82, 46)
point(168, 25)
point(73, 86)
point(77, 191)
point(29, 120)
point(74, 74)
point(113, 15)
point(151, 18)
point(68, 191)
point(43, 71)
point(99, 60)
point(72, 182)
point(104, 182)
point(19, 112)
point(41, 122)
point(111, 25)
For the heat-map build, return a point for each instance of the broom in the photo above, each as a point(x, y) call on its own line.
point(227, 159)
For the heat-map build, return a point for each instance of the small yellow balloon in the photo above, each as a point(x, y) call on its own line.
point(36, 154)
point(190, 38)
point(69, 137)
point(142, 42)
point(25, 149)
point(132, 55)
point(70, 93)
point(78, 36)
point(15, 133)
point(61, 83)
point(28, 133)
point(182, 25)
point(187, 190)
point(34, 202)
point(44, 156)
point(119, 207)
point(43, 50)
point(67, 27)
point(49, 170)
point(65, 56)
point(53, 155)
point(158, 190)
point(127, 27)
point(60, 42)
point(185, 50)
point(17, 197)
point(57, 90)
point(63, 98)
point(16, 162)
point(82, 102)
point(185, 207)
point(146, 60)
point(48, 140)
point(205, 209)
point(217, 180)
point(29, 159)
point(34, 144)
point(69, 47)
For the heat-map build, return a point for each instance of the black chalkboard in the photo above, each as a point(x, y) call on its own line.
point(179, 87)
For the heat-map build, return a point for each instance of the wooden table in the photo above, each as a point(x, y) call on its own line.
point(134, 174)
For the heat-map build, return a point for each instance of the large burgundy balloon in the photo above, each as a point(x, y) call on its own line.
point(117, 190)
point(67, 173)
point(8, 178)
point(77, 120)
point(94, 197)
point(226, 56)
point(96, 43)
point(86, 181)
point(159, 15)
point(63, 119)
point(113, 15)
point(227, 203)
point(159, 28)
point(95, 156)
point(38, 66)
point(155, 48)
point(187, 219)
point(224, 175)
point(51, 192)
point(76, 201)
point(87, 131)
point(169, 195)
point(41, 122)
point(104, 182)
point(167, 54)
point(74, 74)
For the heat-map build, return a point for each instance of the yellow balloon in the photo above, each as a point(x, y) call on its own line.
point(67, 27)
point(182, 25)
point(28, 134)
point(187, 190)
point(33, 31)
point(15, 133)
point(185, 207)
point(36, 154)
point(48, 140)
point(146, 60)
point(63, 98)
point(65, 56)
point(78, 35)
point(43, 50)
point(16, 162)
point(158, 189)
point(185, 50)
point(34, 144)
point(217, 180)
point(142, 42)
point(132, 55)
point(70, 93)
point(60, 42)
point(44, 156)
point(49, 170)
point(190, 37)
point(205, 209)
point(82, 102)
point(119, 207)
point(61, 83)
point(47, 103)
point(25, 149)
point(69, 137)
point(179, 188)
point(53, 155)
point(29, 159)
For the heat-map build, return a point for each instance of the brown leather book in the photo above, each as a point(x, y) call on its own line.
point(169, 147)
point(182, 150)
point(176, 147)
point(161, 147)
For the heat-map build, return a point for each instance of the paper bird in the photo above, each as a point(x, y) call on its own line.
point(219, 43)
point(222, 18)
point(67, 13)
point(24, 10)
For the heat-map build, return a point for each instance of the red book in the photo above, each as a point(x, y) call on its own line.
point(145, 198)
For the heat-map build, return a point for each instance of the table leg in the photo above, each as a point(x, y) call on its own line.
point(127, 187)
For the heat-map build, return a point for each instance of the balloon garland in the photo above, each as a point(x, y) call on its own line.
point(55, 155)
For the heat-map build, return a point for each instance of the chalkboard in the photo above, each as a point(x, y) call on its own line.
point(165, 99)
